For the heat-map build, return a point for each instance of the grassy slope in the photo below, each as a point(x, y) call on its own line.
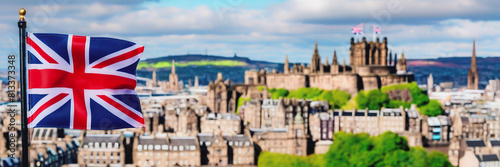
point(165, 64)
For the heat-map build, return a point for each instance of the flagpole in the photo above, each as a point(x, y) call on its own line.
point(374, 34)
point(22, 69)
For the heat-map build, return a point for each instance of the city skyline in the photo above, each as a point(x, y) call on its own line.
point(266, 30)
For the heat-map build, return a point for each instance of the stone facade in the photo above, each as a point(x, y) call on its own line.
point(213, 148)
point(220, 96)
point(369, 69)
point(227, 123)
point(166, 151)
point(104, 149)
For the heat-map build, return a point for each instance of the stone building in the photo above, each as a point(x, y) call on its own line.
point(162, 150)
point(151, 151)
point(473, 75)
point(151, 116)
point(241, 149)
point(227, 123)
point(213, 149)
point(414, 120)
point(171, 118)
point(251, 111)
point(185, 151)
point(273, 114)
point(291, 140)
point(104, 149)
point(188, 122)
point(172, 85)
point(368, 69)
point(173, 79)
point(357, 121)
point(470, 127)
point(181, 120)
point(393, 120)
point(220, 96)
point(373, 122)
point(437, 129)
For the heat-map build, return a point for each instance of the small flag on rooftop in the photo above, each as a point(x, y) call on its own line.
point(358, 30)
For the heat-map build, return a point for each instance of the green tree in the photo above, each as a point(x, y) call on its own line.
point(277, 93)
point(432, 108)
point(373, 99)
point(336, 98)
point(360, 150)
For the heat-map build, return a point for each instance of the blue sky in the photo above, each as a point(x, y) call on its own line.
point(266, 30)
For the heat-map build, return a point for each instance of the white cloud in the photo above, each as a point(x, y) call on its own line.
point(422, 28)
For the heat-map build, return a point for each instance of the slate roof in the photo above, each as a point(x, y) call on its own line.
point(475, 143)
point(495, 142)
point(489, 157)
point(149, 140)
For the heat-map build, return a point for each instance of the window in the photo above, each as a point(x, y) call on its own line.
point(299, 132)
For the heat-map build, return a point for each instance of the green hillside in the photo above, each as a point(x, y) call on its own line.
point(166, 64)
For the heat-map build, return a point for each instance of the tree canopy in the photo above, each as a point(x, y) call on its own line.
point(372, 99)
point(387, 149)
point(432, 108)
point(336, 98)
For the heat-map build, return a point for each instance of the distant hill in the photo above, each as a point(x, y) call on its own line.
point(454, 69)
point(202, 60)
point(205, 67)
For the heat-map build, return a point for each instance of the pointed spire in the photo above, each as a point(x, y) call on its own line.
point(473, 75)
point(326, 61)
point(154, 78)
point(473, 59)
point(390, 58)
point(315, 45)
point(403, 56)
point(395, 59)
point(286, 66)
point(334, 61)
point(316, 60)
point(173, 67)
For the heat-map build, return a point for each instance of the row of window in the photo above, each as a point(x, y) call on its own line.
point(102, 145)
point(150, 153)
point(99, 161)
point(166, 147)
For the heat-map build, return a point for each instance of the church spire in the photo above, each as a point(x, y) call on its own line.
point(316, 60)
point(473, 75)
point(334, 61)
point(473, 62)
point(287, 65)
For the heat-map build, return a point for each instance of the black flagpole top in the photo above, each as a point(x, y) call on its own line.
point(22, 22)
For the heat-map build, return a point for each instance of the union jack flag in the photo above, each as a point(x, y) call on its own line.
point(81, 82)
point(376, 29)
point(358, 29)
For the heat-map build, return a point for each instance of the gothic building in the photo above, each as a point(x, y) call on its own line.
point(371, 66)
point(473, 75)
point(220, 96)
